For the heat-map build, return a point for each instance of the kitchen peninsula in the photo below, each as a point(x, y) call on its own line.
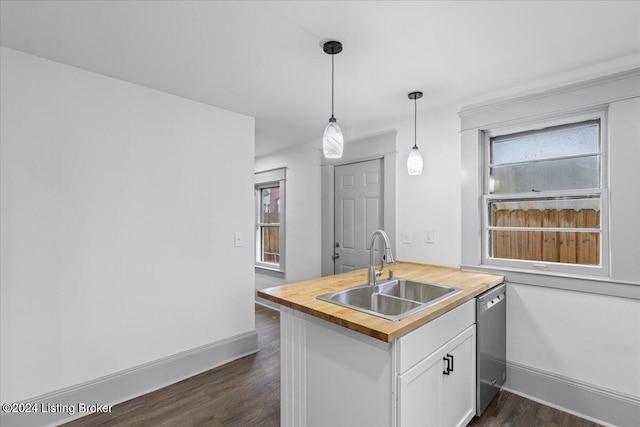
point(344, 367)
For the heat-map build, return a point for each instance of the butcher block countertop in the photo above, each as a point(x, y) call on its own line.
point(302, 297)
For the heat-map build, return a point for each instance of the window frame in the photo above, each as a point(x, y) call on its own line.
point(602, 192)
point(275, 178)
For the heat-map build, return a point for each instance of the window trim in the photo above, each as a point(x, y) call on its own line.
point(270, 179)
point(601, 270)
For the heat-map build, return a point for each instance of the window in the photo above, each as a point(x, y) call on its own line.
point(270, 205)
point(545, 200)
point(269, 226)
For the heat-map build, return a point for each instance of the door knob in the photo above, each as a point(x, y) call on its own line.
point(336, 256)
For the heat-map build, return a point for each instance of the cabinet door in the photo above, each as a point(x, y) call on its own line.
point(459, 387)
point(429, 394)
point(420, 393)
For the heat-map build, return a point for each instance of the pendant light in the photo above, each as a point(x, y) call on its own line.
point(414, 161)
point(332, 141)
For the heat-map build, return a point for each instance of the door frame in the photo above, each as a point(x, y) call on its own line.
point(378, 146)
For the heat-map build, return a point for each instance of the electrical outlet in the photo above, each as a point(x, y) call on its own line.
point(238, 238)
point(428, 235)
point(407, 237)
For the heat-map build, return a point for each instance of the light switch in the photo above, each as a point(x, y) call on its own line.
point(406, 236)
point(428, 235)
point(238, 238)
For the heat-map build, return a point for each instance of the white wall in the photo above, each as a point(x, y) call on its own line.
point(119, 205)
point(590, 338)
point(302, 213)
point(430, 200)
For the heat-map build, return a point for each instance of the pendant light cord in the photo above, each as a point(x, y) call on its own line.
point(332, 84)
point(415, 121)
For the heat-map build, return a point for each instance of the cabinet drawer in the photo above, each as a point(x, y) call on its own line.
point(420, 343)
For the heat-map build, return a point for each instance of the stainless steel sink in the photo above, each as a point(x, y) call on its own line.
point(417, 291)
point(393, 300)
point(368, 299)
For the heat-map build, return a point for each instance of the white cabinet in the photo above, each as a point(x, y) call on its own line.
point(436, 372)
point(335, 376)
point(439, 390)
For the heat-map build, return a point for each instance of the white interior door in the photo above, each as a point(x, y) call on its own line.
point(358, 212)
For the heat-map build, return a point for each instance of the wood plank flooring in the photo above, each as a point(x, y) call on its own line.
point(246, 392)
point(508, 409)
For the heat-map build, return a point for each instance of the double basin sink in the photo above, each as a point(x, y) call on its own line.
point(394, 299)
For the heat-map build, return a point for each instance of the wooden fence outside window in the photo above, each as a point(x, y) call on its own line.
point(271, 244)
point(551, 246)
point(271, 238)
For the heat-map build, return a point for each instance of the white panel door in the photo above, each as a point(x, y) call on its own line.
point(358, 212)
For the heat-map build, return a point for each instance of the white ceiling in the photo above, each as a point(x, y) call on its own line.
point(264, 58)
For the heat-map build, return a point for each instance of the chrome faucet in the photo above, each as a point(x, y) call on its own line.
point(387, 255)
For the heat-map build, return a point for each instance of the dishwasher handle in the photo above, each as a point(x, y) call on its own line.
point(493, 302)
point(492, 298)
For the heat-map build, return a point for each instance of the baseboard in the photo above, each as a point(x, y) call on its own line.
point(66, 404)
point(585, 400)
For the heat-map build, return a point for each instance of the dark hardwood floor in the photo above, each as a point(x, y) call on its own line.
point(246, 392)
point(508, 409)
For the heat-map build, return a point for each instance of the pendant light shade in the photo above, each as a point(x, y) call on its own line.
point(332, 141)
point(415, 161)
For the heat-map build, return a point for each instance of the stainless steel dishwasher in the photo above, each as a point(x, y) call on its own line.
point(491, 323)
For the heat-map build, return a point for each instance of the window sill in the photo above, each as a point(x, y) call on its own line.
point(565, 281)
point(270, 271)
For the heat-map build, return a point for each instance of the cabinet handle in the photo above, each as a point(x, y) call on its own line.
point(448, 368)
point(449, 359)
